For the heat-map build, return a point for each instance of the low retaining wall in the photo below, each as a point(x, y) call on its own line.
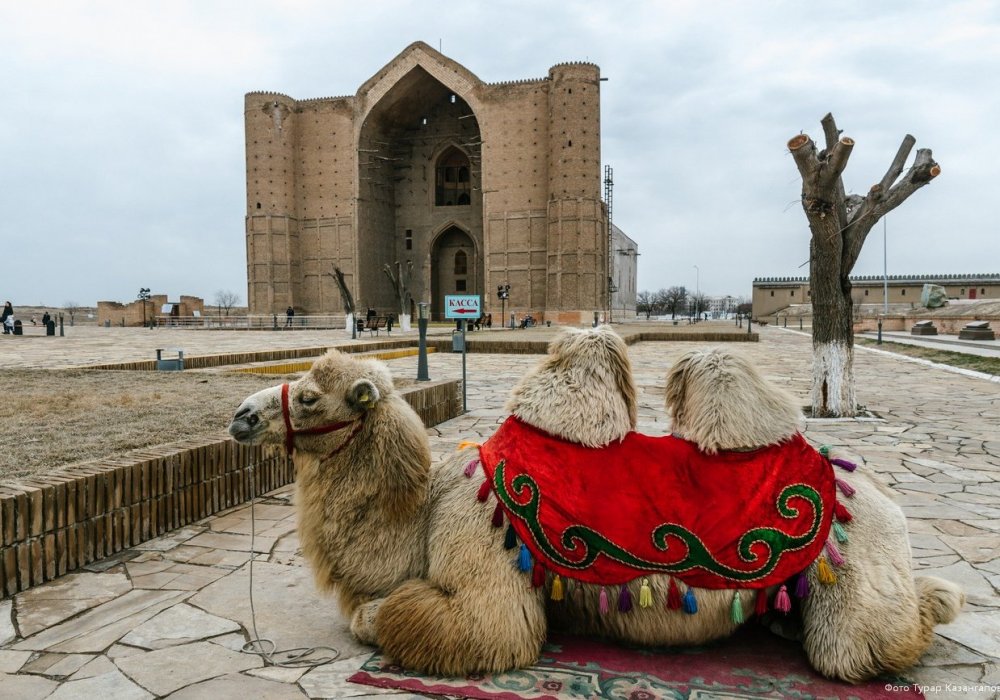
point(55, 524)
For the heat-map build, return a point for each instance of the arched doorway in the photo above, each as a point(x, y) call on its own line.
point(454, 268)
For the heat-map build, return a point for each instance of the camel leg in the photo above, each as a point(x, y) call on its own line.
point(475, 612)
point(875, 618)
point(363, 622)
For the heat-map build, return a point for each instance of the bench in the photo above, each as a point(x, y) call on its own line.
point(175, 364)
point(375, 324)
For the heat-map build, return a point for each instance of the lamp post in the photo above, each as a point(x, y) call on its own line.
point(697, 294)
point(423, 312)
point(143, 297)
point(503, 293)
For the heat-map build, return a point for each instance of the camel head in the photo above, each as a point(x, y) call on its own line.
point(582, 391)
point(719, 401)
point(323, 409)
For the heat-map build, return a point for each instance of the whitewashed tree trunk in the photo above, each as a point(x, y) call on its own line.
point(404, 322)
point(833, 380)
point(349, 324)
point(839, 225)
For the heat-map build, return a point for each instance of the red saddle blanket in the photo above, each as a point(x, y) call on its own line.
point(659, 505)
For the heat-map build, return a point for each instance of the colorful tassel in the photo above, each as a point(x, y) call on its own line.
point(578, 592)
point(624, 599)
point(736, 611)
point(781, 601)
point(570, 587)
point(760, 607)
point(497, 516)
point(845, 488)
point(824, 450)
point(839, 532)
point(645, 594)
point(510, 538)
point(466, 443)
point(802, 585)
point(557, 588)
point(673, 595)
point(836, 558)
point(824, 573)
point(841, 513)
point(690, 603)
point(470, 468)
point(603, 601)
point(524, 559)
point(484, 491)
point(538, 576)
point(844, 464)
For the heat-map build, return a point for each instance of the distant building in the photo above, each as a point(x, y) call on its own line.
point(113, 313)
point(476, 184)
point(625, 251)
point(772, 294)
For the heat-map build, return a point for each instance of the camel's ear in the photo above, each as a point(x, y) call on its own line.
point(363, 395)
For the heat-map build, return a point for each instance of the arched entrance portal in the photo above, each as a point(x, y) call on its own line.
point(454, 268)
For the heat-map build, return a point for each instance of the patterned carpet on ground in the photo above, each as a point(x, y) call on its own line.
point(753, 664)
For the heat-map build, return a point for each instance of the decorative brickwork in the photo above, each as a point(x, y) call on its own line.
point(358, 182)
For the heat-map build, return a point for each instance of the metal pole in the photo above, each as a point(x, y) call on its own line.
point(697, 293)
point(465, 383)
point(422, 375)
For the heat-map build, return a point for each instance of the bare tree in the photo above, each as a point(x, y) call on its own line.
point(698, 303)
point(673, 299)
point(644, 303)
point(226, 300)
point(400, 279)
point(839, 226)
point(71, 308)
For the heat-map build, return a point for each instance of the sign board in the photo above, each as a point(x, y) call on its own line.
point(467, 306)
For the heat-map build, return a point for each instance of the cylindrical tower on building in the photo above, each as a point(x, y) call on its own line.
point(273, 258)
point(577, 223)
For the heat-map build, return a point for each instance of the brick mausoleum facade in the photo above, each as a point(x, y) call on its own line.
point(476, 184)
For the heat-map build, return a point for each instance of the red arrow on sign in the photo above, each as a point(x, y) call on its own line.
point(463, 311)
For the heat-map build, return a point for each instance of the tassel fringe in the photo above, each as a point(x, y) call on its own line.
point(839, 532)
point(836, 558)
point(802, 585)
point(484, 491)
point(841, 513)
point(645, 594)
point(497, 516)
point(603, 601)
point(736, 612)
point(557, 589)
point(538, 576)
point(624, 599)
point(845, 488)
point(466, 443)
point(782, 602)
point(673, 595)
point(824, 573)
point(470, 468)
point(761, 605)
point(844, 464)
point(510, 538)
point(824, 450)
point(524, 559)
point(690, 602)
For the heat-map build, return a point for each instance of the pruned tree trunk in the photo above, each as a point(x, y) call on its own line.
point(346, 298)
point(400, 280)
point(839, 225)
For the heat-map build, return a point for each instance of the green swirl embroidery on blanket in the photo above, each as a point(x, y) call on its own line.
point(582, 545)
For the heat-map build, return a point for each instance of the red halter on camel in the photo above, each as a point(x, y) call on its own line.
point(291, 432)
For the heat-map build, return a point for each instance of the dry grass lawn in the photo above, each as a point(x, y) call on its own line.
point(52, 418)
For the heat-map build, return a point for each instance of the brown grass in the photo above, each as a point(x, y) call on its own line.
point(53, 418)
point(989, 365)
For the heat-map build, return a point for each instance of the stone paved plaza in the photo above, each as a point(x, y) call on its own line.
point(168, 618)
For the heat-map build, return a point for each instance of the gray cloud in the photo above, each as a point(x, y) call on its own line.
point(121, 134)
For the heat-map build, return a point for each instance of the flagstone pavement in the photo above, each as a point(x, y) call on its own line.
point(169, 618)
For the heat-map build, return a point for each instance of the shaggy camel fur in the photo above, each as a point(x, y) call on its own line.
point(877, 618)
point(418, 566)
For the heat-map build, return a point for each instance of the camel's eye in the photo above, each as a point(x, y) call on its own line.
point(308, 399)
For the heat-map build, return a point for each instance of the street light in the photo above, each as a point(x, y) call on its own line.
point(143, 297)
point(503, 293)
point(423, 313)
point(697, 294)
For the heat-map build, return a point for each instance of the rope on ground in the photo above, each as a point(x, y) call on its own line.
point(296, 657)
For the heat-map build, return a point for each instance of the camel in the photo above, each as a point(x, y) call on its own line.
point(422, 570)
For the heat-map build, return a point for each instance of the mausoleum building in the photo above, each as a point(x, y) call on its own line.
point(474, 184)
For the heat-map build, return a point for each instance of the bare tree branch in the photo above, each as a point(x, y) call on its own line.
point(803, 150)
point(830, 131)
point(892, 174)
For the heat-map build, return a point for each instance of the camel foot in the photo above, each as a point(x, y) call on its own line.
point(363, 622)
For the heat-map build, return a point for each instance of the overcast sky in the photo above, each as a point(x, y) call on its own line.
point(122, 152)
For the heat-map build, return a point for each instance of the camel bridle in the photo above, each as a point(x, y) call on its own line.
point(291, 432)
